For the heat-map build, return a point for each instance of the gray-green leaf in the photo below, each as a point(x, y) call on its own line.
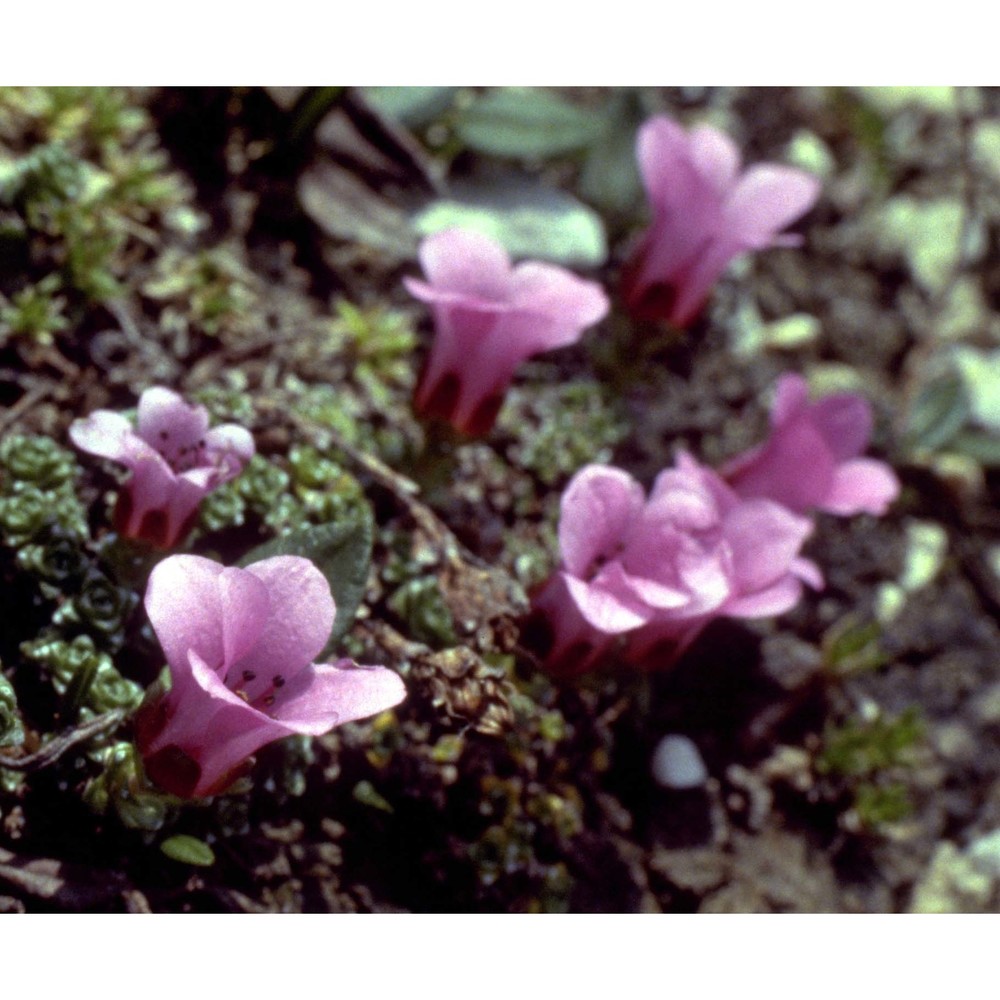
point(526, 122)
point(938, 412)
point(529, 219)
point(411, 106)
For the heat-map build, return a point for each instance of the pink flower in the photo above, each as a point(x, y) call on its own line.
point(705, 213)
point(174, 458)
point(811, 459)
point(489, 317)
point(667, 565)
point(240, 645)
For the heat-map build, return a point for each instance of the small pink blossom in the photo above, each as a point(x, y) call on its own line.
point(705, 213)
point(667, 565)
point(240, 644)
point(175, 461)
point(489, 317)
point(811, 459)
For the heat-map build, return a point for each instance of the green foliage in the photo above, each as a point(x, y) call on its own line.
point(419, 603)
point(327, 493)
point(852, 646)
point(100, 605)
point(123, 786)
point(85, 676)
point(377, 345)
point(261, 487)
point(210, 290)
point(35, 313)
point(860, 749)
point(559, 428)
point(11, 729)
point(39, 505)
point(81, 174)
point(878, 805)
point(341, 551)
point(37, 460)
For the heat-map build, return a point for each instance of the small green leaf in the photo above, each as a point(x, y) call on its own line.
point(341, 551)
point(411, 106)
point(526, 122)
point(529, 219)
point(365, 793)
point(938, 413)
point(188, 850)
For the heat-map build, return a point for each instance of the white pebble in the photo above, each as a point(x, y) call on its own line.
point(678, 764)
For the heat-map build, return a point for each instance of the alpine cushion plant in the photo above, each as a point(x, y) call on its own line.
point(489, 317)
point(240, 644)
point(661, 568)
point(811, 460)
point(174, 458)
point(705, 213)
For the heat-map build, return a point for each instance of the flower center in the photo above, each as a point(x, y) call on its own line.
point(263, 696)
point(183, 455)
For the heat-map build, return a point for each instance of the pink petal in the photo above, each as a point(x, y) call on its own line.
point(461, 260)
point(437, 296)
point(687, 208)
point(791, 397)
point(197, 605)
point(764, 539)
point(297, 626)
point(110, 435)
point(845, 422)
point(326, 695)
point(794, 468)
point(696, 281)
point(863, 485)
point(229, 731)
point(609, 604)
point(716, 157)
point(568, 304)
point(808, 572)
point(766, 199)
point(163, 417)
point(707, 576)
point(576, 644)
point(231, 446)
point(596, 509)
point(666, 163)
point(776, 599)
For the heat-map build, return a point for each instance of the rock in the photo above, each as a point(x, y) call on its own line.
point(678, 764)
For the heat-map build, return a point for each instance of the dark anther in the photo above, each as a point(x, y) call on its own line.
point(164, 435)
point(278, 681)
point(249, 675)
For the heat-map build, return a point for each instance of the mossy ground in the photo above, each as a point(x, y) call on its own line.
point(202, 240)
